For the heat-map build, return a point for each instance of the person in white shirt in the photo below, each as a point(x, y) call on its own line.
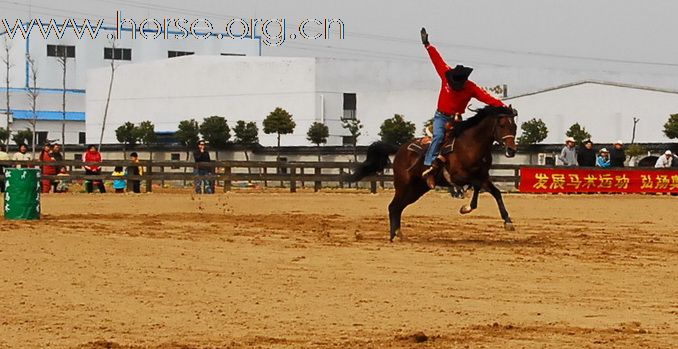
point(665, 160)
point(22, 154)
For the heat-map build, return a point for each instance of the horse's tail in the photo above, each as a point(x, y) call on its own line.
point(377, 159)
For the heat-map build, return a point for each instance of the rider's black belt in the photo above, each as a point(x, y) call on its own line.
point(448, 115)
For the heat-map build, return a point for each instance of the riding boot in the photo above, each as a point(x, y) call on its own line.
point(430, 174)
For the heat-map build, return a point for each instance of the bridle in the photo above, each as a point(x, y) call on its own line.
point(494, 128)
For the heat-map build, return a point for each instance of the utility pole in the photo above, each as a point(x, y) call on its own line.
point(633, 137)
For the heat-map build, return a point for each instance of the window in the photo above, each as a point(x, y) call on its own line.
point(234, 54)
point(41, 137)
point(172, 54)
point(60, 50)
point(349, 106)
point(347, 140)
point(175, 157)
point(81, 138)
point(120, 54)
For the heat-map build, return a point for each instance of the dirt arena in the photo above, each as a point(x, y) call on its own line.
point(316, 270)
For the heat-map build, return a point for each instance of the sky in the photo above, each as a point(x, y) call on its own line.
point(529, 44)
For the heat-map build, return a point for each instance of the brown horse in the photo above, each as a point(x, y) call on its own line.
point(467, 152)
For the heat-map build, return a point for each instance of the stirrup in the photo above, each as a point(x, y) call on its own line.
point(428, 171)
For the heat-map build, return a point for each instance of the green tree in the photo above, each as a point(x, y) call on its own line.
point(671, 127)
point(635, 149)
point(127, 134)
point(246, 134)
point(579, 133)
point(534, 131)
point(397, 131)
point(4, 135)
point(188, 134)
point(317, 134)
point(23, 136)
point(146, 135)
point(280, 122)
point(353, 126)
point(215, 131)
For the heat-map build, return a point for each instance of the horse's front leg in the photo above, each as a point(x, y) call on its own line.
point(489, 186)
point(474, 202)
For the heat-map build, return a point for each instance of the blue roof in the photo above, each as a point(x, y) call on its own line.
point(46, 115)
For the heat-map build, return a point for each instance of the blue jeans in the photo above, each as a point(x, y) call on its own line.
point(440, 120)
point(199, 183)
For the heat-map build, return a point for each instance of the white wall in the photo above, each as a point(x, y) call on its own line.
point(606, 111)
point(237, 88)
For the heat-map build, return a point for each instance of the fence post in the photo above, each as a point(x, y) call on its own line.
point(373, 187)
point(227, 179)
point(293, 179)
point(341, 175)
point(317, 185)
point(149, 172)
point(265, 169)
point(162, 181)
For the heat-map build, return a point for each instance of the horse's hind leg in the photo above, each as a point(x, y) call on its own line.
point(489, 186)
point(474, 202)
point(403, 197)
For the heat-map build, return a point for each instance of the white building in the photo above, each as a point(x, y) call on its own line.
point(249, 88)
point(83, 54)
point(605, 109)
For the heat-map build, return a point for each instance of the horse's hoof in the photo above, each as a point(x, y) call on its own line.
point(465, 209)
point(509, 226)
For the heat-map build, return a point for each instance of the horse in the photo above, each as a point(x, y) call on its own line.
point(466, 151)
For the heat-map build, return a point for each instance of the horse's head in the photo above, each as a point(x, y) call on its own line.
point(505, 130)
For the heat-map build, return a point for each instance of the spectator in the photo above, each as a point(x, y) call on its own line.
point(58, 156)
point(603, 159)
point(62, 181)
point(134, 170)
point(568, 156)
point(22, 154)
point(664, 161)
point(93, 155)
point(586, 156)
point(47, 170)
point(617, 155)
point(119, 184)
point(3, 157)
point(202, 155)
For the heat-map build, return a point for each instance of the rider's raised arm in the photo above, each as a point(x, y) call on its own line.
point(484, 96)
point(438, 62)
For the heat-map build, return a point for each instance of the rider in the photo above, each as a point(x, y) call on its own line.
point(455, 93)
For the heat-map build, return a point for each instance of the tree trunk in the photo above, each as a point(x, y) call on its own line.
point(278, 155)
point(319, 153)
point(247, 158)
point(355, 150)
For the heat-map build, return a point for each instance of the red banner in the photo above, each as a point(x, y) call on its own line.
point(595, 180)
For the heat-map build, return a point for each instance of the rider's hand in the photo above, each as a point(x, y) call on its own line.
point(424, 37)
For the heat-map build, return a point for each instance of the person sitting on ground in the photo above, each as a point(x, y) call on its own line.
point(568, 156)
point(455, 93)
point(62, 181)
point(119, 183)
point(586, 156)
point(664, 161)
point(617, 155)
point(603, 160)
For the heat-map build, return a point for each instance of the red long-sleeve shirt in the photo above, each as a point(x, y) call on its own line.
point(94, 156)
point(453, 102)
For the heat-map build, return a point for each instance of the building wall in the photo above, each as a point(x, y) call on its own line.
point(606, 111)
point(237, 88)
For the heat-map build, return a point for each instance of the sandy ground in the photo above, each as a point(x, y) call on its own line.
point(316, 270)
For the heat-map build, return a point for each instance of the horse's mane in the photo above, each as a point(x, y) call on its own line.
point(481, 114)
